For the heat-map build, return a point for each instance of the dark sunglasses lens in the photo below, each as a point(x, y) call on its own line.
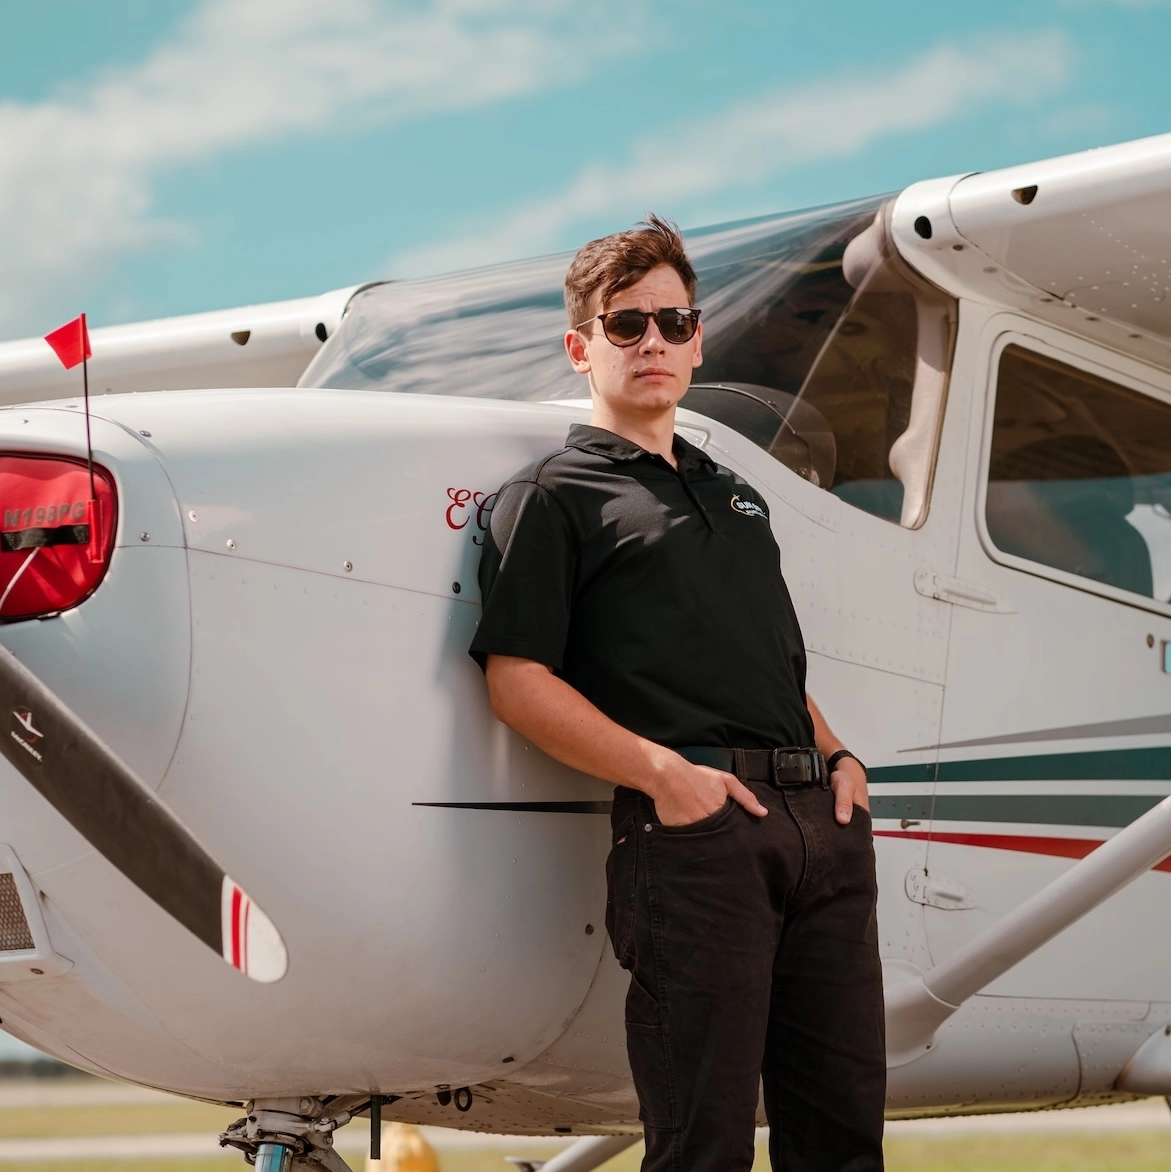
point(676, 325)
point(625, 326)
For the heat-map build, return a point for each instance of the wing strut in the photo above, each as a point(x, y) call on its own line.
point(916, 1008)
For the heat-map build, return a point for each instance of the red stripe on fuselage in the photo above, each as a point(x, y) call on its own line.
point(244, 934)
point(236, 899)
point(1066, 848)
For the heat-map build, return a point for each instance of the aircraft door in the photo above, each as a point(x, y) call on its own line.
point(1057, 723)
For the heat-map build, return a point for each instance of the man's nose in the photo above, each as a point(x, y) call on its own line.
point(652, 342)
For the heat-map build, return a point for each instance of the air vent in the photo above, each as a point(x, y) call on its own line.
point(26, 953)
point(15, 934)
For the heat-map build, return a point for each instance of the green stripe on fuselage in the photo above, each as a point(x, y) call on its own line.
point(1108, 765)
point(1054, 809)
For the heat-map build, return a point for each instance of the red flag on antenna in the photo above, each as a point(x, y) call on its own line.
point(70, 342)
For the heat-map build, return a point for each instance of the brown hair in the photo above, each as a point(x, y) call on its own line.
point(607, 266)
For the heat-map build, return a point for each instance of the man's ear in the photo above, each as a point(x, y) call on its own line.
point(575, 347)
point(697, 357)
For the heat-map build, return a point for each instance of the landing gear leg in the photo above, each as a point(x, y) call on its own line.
point(274, 1158)
point(289, 1135)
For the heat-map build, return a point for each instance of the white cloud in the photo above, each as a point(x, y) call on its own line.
point(1081, 120)
point(762, 138)
point(77, 171)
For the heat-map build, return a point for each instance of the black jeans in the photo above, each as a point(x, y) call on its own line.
point(753, 952)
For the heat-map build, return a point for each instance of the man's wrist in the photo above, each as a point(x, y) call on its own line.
point(663, 772)
point(834, 759)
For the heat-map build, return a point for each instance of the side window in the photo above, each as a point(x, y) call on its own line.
point(1079, 475)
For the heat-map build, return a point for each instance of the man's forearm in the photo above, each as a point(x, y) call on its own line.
point(849, 777)
point(557, 718)
point(823, 736)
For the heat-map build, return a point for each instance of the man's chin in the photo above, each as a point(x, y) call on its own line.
point(645, 402)
point(656, 396)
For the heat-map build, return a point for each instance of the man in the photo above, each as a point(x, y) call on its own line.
point(636, 626)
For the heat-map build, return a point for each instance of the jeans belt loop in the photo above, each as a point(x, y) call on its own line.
point(739, 764)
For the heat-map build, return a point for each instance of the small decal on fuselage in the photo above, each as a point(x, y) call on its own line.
point(24, 718)
point(479, 505)
point(748, 508)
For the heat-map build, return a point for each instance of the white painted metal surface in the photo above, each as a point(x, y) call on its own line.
point(1079, 242)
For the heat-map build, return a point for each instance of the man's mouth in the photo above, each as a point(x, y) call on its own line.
point(651, 371)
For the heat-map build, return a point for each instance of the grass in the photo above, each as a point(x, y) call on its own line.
point(214, 1165)
point(121, 1119)
point(1138, 1151)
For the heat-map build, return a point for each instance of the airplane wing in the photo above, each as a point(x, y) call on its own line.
point(252, 346)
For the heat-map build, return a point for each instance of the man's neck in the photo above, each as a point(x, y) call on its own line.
point(654, 433)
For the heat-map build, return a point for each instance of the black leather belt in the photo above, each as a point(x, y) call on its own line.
point(781, 767)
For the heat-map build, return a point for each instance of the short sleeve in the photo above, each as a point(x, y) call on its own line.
point(527, 570)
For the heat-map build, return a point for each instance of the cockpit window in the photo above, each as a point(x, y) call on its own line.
point(814, 345)
point(787, 428)
point(491, 333)
point(1079, 476)
point(836, 364)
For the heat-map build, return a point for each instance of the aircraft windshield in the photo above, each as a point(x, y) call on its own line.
point(496, 332)
point(816, 369)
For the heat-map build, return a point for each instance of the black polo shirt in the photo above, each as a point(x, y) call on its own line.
point(656, 593)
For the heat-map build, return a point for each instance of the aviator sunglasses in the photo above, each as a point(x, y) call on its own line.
point(625, 327)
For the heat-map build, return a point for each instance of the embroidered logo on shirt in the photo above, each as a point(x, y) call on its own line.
point(748, 508)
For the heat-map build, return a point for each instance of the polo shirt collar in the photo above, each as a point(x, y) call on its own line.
point(600, 442)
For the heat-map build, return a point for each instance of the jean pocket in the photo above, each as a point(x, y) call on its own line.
point(708, 822)
point(621, 875)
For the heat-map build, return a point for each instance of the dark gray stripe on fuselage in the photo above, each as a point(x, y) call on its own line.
point(1047, 809)
point(1139, 726)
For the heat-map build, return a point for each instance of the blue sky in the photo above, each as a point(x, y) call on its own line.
point(161, 158)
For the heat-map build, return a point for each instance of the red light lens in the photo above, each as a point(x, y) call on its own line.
point(50, 556)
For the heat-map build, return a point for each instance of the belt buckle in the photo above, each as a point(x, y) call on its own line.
point(775, 767)
point(774, 764)
point(813, 762)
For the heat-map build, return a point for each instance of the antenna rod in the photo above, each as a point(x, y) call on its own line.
point(89, 447)
point(95, 518)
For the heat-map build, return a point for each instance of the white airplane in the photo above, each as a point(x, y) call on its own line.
point(253, 663)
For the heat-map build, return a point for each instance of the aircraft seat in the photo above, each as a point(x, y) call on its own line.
point(1063, 501)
